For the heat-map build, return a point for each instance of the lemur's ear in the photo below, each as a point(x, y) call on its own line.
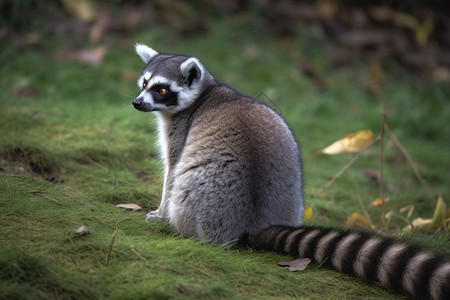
point(191, 70)
point(145, 52)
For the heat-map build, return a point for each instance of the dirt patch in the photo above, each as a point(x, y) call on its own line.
point(29, 159)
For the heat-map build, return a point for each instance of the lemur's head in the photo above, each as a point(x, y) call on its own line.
point(169, 82)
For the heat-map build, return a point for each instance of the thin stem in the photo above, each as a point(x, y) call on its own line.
point(410, 160)
point(383, 211)
point(346, 167)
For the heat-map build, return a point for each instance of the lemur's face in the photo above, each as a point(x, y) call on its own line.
point(169, 82)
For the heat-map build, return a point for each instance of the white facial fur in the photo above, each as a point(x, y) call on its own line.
point(151, 81)
point(145, 52)
point(191, 69)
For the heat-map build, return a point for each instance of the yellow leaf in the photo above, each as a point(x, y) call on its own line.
point(308, 214)
point(439, 213)
point(358, 220)
point(420, 223)
point(352, 142)
point(379, 202)
point(438, 220)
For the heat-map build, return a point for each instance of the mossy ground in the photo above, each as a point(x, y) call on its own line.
point(77, 147)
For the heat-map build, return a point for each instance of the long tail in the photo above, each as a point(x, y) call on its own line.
point(394, 264)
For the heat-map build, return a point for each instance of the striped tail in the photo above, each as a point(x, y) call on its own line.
point(394, 264)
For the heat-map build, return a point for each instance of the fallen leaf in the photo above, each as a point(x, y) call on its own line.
point(380, 202)
point(439, 213)
point(308, 213)
point(438, 220)
point(358, 220)
point(295, 265)
point(82, 230)
point(350, 143)
point(92, 57)
point(420, 223)
point(129, 206)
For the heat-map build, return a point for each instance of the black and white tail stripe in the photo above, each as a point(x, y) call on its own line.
point(394, 264)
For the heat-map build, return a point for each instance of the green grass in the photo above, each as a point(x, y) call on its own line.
point(81, 129)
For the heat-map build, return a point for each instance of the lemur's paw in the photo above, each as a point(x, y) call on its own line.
point(153, 215)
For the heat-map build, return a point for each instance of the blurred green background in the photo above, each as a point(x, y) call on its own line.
point(72, 146)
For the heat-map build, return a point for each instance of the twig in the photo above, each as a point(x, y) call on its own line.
point(346, 167)
point(40, 194)
point(406, 220)
point(366, 214)
point(410, 160)
point(108, 257)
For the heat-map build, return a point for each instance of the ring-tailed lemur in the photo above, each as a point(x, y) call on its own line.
point(233, 173)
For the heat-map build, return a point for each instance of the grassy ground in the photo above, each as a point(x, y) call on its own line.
point(79, 127)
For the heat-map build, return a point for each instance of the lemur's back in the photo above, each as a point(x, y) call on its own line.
point(239, 169)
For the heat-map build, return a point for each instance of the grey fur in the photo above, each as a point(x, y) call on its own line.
point(232, 163)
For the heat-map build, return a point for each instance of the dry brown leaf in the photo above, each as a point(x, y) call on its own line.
point(129, 206)
point(295, 265)
point(358, 220)
point(420, 223)
point(438, 220)
point(350, 143)
point(93, 57)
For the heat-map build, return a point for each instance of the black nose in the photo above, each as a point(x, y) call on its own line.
point(137, 103)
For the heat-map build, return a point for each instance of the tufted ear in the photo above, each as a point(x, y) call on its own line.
point(145, 52)
point(191, 70)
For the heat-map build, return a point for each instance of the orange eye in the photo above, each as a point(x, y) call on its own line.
point(162, 91)
point(144, 85)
